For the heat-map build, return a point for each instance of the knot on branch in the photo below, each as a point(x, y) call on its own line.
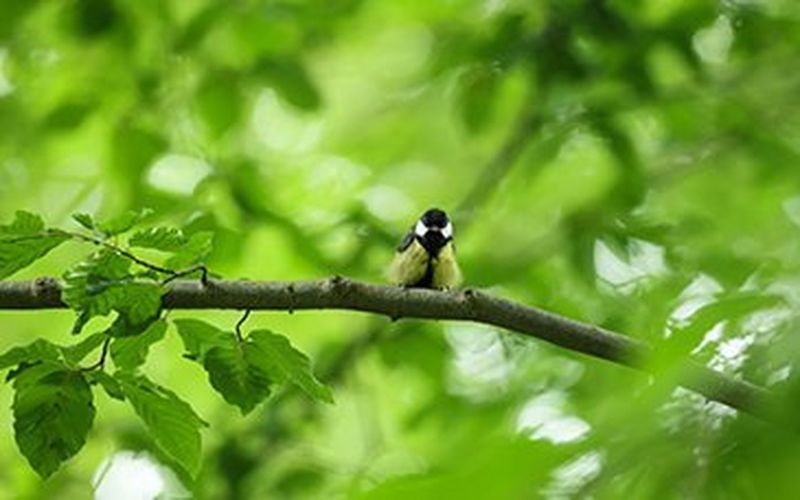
point(340, 285)
point(45, 285)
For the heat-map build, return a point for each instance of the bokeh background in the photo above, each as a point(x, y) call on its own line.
point(630, 164)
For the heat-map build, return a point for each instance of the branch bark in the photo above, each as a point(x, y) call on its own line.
point(396, 303)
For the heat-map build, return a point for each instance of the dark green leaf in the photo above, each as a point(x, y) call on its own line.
point(285, 363)
point(131, 352)
point(233, 368)
point(84, 220)
point(24, 241)
point(123, 222)
point(234, 372)
point(109, 383)
point(53, 413)
point(171, 421)
point(38, 350)
point(166, 239)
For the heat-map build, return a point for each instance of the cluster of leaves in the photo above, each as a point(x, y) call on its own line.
point(53, 401)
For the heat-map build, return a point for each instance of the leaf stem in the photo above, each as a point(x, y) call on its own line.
point(239, 324)
point(100, 364)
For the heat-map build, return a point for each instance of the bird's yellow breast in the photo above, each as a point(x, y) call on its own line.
point(410, 265)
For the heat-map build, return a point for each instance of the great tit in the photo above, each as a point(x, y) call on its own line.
point(426, 257)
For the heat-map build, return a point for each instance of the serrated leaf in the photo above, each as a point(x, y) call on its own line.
point(38, 350)
point(285, 363)
point(193, 252)
point(166, 239)
point(53, 413)
point(171, 421)
point(131, 352)
point(24, 241)
point(123, 222)
point(102, 284)
point(107, 382)
point(84, 220)
point(74, 354)
point(233, 368)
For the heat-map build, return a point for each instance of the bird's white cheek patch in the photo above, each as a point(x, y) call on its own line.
point(420, 229)
point(447, 231)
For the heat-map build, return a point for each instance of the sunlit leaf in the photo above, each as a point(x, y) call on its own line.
point(24, 241)
point(166, 239)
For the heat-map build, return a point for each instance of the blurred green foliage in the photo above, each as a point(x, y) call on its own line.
point(630, 164)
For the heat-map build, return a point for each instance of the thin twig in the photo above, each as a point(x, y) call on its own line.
point(239, 324)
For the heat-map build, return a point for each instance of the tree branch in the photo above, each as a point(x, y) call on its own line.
point(396, 302)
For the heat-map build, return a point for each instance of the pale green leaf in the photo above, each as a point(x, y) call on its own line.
point(166, 239)
point(24, 241)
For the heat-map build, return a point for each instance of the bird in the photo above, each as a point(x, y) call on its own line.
point(426, 257)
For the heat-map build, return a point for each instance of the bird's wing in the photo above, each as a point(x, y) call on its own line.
point(407, 239)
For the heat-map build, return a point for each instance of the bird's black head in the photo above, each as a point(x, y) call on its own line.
point(434, 230)
point(434, 218)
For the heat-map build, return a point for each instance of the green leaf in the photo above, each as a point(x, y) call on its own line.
point(24, 223)
point(235, 373)
point(123, 222)
point(200, 337)
point(171, 421)
point(24, 241)
point(84, 220)
point(194, 251)
point(74, 354)
point(53, 413)
point(131, 352)
point(102, 284)
point(109, 383)
point(38, 350)
point(166, 239)
point(233, 368)
point(285, 363)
